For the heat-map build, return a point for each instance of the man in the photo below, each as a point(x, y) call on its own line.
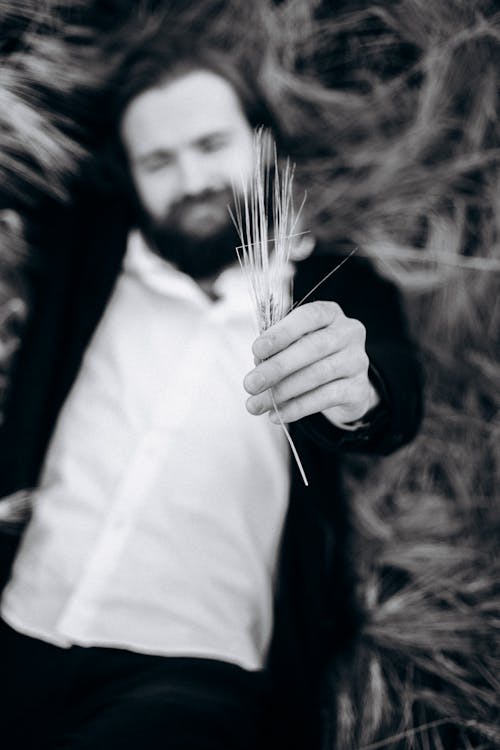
point(175, 585)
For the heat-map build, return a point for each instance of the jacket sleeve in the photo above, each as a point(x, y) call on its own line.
point(395, 367)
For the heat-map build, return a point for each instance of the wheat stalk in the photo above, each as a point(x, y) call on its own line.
point(265, 260)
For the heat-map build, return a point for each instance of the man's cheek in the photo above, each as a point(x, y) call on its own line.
point(155, 202)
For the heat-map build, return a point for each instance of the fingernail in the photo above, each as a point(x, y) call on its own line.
point(263, 347)
point(273, 417)
point(255, 381)
point(255, 406)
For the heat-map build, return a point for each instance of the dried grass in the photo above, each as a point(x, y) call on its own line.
point(264, 205)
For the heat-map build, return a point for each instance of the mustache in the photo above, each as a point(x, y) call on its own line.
point(221, 195)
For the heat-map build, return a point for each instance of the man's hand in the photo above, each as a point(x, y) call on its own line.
point(314, 360)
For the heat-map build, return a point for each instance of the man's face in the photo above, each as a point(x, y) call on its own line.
point(187, 141)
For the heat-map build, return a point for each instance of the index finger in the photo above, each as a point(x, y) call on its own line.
point(304, 319)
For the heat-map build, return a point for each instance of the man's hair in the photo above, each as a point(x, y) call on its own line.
point(158, 64)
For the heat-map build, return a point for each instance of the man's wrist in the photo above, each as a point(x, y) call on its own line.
point(373, 401)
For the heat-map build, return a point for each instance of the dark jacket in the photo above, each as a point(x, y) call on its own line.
point(71, 283)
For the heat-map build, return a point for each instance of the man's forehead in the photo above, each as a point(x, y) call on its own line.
point(183, 109)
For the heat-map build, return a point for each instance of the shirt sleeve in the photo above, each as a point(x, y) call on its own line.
point(395, 368)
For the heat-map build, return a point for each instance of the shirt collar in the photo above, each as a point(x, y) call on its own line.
point(231, 286)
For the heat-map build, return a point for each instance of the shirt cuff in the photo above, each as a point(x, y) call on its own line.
point(361, 435)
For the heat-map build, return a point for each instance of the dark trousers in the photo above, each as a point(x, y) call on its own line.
point(102, 698)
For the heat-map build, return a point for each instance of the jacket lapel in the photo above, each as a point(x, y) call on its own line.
point(70, 287)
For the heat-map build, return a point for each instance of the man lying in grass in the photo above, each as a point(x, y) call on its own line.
point(176, 584)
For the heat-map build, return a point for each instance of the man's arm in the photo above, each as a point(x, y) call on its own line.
point(347, 366)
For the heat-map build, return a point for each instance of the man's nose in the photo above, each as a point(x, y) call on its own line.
point(193, 174)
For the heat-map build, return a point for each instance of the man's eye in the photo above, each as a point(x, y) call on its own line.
point(213, 143)
point(157, 162)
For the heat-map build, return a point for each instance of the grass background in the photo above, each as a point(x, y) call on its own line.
point(391, 111)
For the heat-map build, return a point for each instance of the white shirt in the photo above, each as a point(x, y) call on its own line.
point(158, 519)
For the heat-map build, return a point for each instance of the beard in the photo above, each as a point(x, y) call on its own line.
point(197, 235)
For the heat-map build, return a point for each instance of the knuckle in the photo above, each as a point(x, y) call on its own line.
point(334, 309)
point(326, 369)
point(276, 370)
point(320, 312)
point(359, 329)
point(322, 344)
point(364, 362)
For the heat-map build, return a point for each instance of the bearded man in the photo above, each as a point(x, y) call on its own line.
point(178, 585)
